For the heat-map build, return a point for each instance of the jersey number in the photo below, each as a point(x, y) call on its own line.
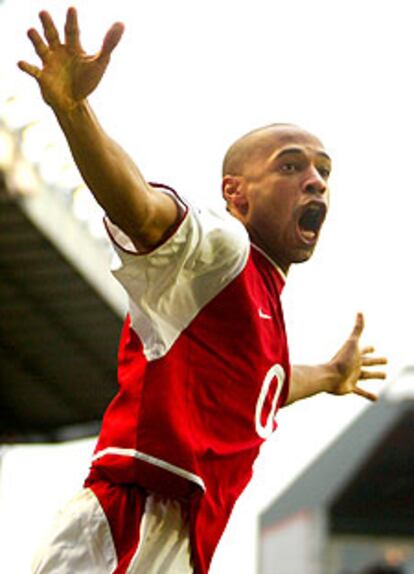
point(275, 375)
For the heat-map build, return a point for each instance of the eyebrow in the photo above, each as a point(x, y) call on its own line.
point(298, 150)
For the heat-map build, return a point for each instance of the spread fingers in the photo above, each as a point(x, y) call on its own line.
point(39, 45)
point(363, 393)
point(49, 28)
point(33, 71)
point(72, 30)
point(372, 361)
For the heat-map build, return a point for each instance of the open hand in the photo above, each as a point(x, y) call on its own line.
point(350, 365)
point(68, 75)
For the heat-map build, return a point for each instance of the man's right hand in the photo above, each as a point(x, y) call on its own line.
point(68, 75)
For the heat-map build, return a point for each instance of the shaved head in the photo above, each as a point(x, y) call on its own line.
point(275, 182)
point(257, 143)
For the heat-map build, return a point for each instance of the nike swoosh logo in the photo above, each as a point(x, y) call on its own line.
point(264, 315)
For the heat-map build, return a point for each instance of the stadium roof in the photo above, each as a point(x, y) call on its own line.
point(60, 320)
point(365, 481)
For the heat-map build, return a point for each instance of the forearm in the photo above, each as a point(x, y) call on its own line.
point(66, 78)
point(306, 381)
point(114, 179)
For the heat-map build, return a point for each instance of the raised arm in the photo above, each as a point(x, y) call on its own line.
point(342, 374)
point(66, 78)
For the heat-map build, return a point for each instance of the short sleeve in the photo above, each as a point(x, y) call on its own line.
point(169, 286)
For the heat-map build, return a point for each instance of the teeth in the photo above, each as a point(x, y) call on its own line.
point(309, 235)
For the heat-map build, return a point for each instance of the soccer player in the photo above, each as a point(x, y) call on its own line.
point(203, 360)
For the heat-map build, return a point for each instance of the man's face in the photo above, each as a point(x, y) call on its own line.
point(285, 193)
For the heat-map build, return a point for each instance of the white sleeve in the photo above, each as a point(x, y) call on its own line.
point(170, 285)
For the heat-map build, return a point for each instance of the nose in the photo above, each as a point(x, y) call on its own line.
point(315, 183)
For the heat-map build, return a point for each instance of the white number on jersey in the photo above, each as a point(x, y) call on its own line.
point(276, 372)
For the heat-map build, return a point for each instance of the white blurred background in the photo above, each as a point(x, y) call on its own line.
point(187, 79)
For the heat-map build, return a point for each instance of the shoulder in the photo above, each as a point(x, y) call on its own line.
point(204, 235)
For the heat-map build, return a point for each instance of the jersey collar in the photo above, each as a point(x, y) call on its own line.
point(275, 265)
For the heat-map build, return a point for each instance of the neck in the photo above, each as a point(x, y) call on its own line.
point(264, 248)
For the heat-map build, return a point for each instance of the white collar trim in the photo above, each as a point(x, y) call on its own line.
point(275, 265)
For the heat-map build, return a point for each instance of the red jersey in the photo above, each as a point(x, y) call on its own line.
point(203, 368)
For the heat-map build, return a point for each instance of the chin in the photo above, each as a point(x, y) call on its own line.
point(302, 256)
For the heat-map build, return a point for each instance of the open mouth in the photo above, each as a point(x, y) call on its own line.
point(310, 221)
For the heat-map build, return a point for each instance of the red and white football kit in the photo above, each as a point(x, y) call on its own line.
point(203, 368)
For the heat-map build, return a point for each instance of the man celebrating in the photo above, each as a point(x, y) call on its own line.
point(203, 361)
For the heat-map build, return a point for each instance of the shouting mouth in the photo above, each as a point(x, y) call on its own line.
point(311, 218)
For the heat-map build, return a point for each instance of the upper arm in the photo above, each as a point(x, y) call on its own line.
point(170, 284)
point(153, 219)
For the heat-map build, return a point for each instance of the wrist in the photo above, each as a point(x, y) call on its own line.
point(72, 114)
point(333, 376)
point(69, 109)
point(329, 377)
point(309, 380)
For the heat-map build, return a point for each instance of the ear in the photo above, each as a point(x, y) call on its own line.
point(233, 189)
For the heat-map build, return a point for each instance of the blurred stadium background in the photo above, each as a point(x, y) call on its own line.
point(61, 311)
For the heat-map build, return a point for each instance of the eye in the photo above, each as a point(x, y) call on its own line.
point(325, 172)
point(289, 167)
